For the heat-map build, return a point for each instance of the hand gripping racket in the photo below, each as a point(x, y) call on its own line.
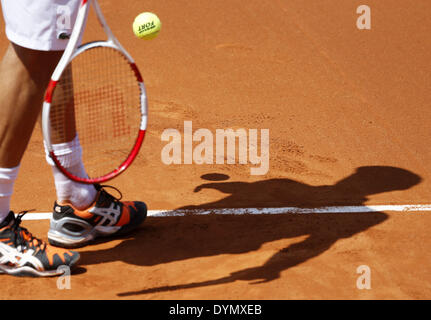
point(97, 94)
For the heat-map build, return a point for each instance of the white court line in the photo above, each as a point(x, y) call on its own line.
point(284, 210)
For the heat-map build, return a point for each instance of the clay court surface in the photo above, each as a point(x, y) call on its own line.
point(349, 117)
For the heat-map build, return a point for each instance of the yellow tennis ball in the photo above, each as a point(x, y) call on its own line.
point(146, 25)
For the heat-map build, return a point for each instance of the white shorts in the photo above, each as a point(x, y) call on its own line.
point(40, 24)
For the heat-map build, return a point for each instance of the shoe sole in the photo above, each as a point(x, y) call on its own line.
point(27, 271)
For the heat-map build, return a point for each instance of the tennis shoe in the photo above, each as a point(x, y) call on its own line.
point(108, 216)
point(21, 254)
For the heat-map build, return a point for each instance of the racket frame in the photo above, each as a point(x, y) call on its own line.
point(72, 50)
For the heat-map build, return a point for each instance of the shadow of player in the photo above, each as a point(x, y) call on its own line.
point(352, 190)
point(169, 239)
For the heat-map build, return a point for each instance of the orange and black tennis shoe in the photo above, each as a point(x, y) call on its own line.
point(107, 216)
point(21, 254)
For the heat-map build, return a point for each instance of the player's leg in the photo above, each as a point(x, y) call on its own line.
point(76, 222)
point(105, 214)
point(24, 74)
point(67, 147)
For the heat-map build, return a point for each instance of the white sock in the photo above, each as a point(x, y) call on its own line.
point(7, 181)
point(69, 154)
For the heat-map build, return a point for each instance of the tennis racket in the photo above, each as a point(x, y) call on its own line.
point(96, 93)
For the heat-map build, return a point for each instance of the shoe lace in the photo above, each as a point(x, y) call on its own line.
point(108, 195)
point(23, 238)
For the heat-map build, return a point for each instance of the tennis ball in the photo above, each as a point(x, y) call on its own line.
point(146, 25)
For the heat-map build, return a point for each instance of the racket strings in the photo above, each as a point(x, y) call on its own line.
point(98, 97)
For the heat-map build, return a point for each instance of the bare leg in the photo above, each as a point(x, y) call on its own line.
point(66, 144)
point(24, 75)
point(63, 127)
